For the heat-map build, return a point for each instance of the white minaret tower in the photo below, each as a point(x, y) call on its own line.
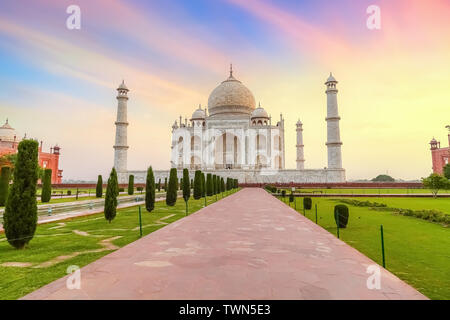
point(121, 146)
point(300, 154)
point(333, 133)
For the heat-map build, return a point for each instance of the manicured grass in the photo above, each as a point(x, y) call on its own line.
point(417, 251)
point(79, 235)
point(367, 191)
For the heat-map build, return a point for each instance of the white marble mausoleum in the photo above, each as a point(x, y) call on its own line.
point(234, 138)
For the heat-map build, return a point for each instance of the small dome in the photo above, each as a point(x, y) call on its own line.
point(331, 78)
point(299, 123)
point(8, 133)
point(231, 97)
point(260, 113)
point(122, 86)
point(433, 141)
point(199, 114)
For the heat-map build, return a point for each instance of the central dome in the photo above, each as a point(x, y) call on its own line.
point(231, 97)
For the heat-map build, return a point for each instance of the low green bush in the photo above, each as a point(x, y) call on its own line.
point(69, 193)
point(121, 189)
point(341, 214)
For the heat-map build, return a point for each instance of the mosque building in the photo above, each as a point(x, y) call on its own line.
point(234, 138)
point(440, 156)
point(9, 141)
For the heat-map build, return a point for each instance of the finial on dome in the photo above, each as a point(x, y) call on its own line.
point(6, 120)
point(259, 104)
point(231, 70)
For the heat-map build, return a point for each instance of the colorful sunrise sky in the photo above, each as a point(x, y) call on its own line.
point(58, 85)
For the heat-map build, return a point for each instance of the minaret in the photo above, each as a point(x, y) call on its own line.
point(121, 146)
point(300, 153)
point(333, 134)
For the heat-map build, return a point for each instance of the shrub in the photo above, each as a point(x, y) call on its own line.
point(140, 189)
point(159, 185)
point(383, 178)
point(165, 184)
point(283, 193)
point(46, 194)
point(4, 185)
point(209, 185)
point(171, 196)
point(20, 217)
point(291, 197)
point(447, 171)
point(222, 185)
point(150, 190)
point(203, 185)
point(341, 211)
point(186, 185)
point(69, 192)
point(112, 191)
point(99, 188)
point(197, 185)
point(121, 190)
point(214, 184)
point(307, 203)
point(131, 185)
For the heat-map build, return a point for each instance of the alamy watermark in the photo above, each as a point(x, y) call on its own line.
point(374, 18)
point(74, 19)
point(74, 279)
point(374, 280)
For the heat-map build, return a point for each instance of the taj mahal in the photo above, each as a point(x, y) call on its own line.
point(234, 138)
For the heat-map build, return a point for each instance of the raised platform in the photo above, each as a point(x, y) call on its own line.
point(246, 246)
point(255, 176)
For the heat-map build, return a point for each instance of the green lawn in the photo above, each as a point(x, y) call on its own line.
point(417, 251)
point(367, 191)
point(81, 234)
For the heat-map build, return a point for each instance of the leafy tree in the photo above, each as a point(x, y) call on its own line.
point(171, 196)
point(20, 217)
point(209, 185)
point(186, 187)
point(197, 185)
point(112, 191)
point(4, 185)
point(99, 189)
point(150, 190)
point(447, 171)
point(435, 182)
point(383, 178)
point(131, 185)
point(46, 194)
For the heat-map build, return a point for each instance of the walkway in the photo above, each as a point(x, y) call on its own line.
point(246, 246)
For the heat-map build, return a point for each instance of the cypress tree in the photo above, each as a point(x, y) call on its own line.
point(209, 185)
point(165, 184)
point(214, 177)
point(203, 185)
point(46, 194)
point(99, 189)
point(150, 190)
point(20, 217)
point(131, 185)
point(197, 185)
point(228, 184)
point(159, 185)
point(217, 184)
point(4, 185)
point(186, 187)
point(171, 196)
point(222, 185)
point(192, 183)
point(181, 184)
point(112, 191)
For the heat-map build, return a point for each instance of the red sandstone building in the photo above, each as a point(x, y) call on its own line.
point(9, 142)
point(440, 156)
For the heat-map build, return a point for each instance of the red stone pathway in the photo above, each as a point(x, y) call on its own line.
point(247, 246)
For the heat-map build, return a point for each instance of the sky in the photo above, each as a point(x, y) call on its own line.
point(58, 85)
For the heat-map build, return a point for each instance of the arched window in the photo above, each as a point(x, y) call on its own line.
point(180, 144)
point(259, 122)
